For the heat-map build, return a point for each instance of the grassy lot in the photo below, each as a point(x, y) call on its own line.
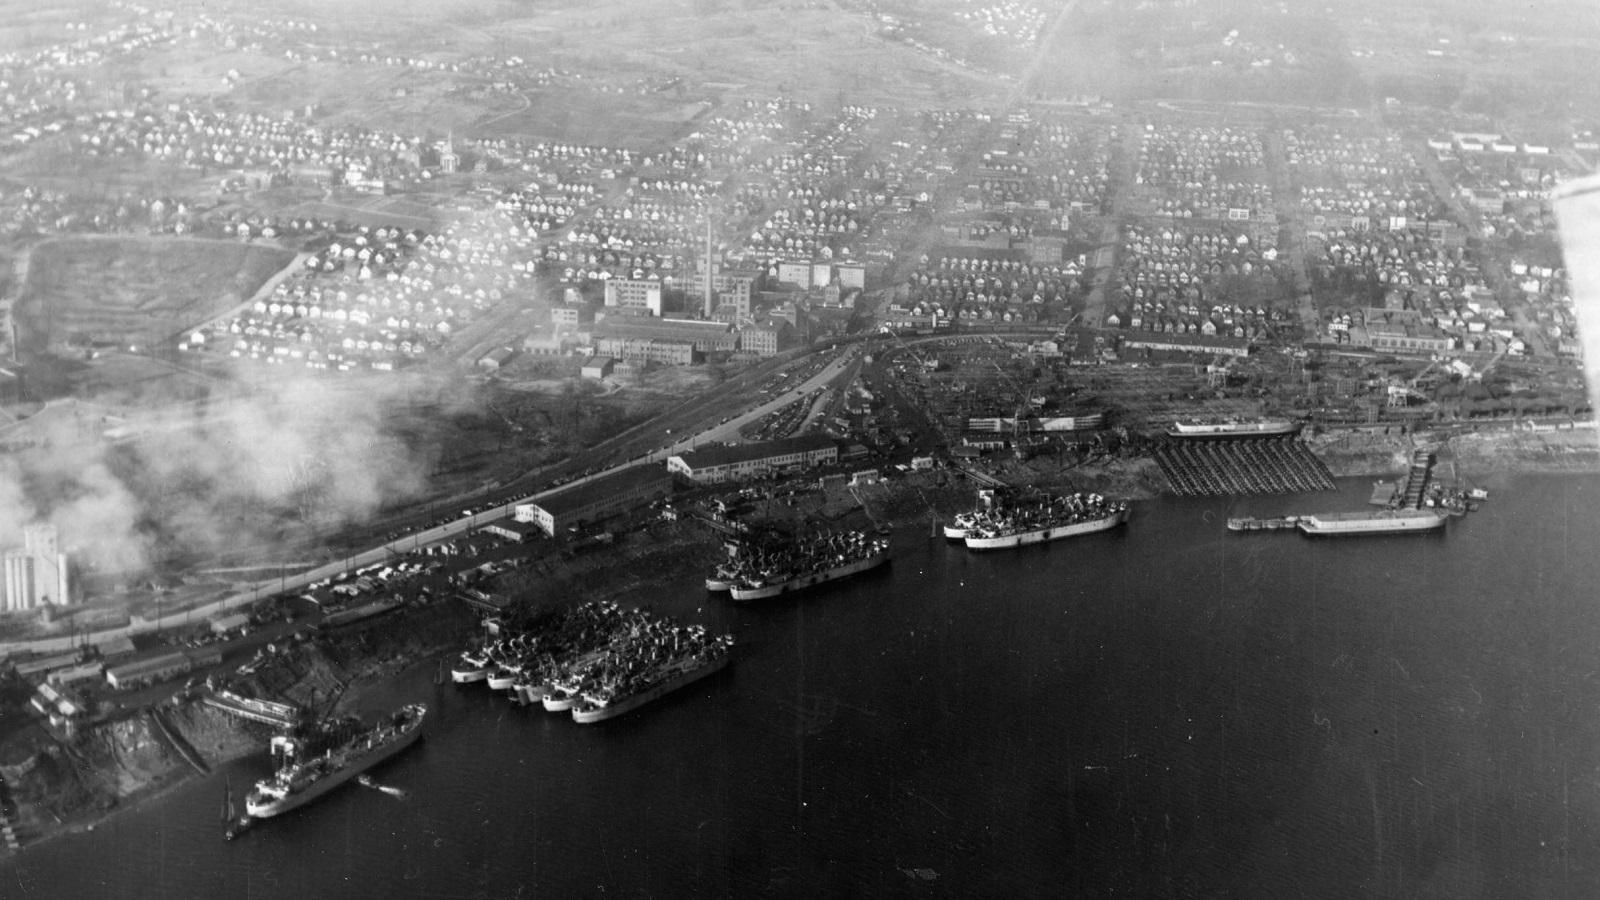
point(135, 290)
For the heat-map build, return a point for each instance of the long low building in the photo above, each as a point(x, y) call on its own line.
point(595, 500)
point(724, 463)
point(161, 666)
point(158, 667)
point(1215, 345)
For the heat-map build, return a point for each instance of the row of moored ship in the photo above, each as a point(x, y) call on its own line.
point(758, 569)
point(999, 521)
point(596, 661)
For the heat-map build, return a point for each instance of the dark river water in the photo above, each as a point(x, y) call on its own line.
point(1167, 710)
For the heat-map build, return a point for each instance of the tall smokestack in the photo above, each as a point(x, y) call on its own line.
point(708, 263)
point(1577, 205)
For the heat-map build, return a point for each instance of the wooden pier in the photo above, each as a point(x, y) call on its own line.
point(1243, 466)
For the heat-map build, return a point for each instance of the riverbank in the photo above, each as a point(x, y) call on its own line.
point(66, 783)
point(1480, 456)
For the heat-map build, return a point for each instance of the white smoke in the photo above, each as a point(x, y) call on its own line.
point(301, 456)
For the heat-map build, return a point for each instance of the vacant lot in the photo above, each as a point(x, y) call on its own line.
point(134, 291)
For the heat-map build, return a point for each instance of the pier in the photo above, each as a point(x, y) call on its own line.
point(1242, 466)
point(1251, 523)
point(1416, 482)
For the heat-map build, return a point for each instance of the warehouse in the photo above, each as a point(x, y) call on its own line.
point(716, 464)
point(148, 670)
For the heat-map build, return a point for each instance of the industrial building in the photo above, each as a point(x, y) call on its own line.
point(634, 294)
point(513, 530)
point(149, 670)
point(666, 353)
point(702, 336)
point(595, 500)
point(1216, 345)
point(36, 574)
point(733, 290)
point(711, 465)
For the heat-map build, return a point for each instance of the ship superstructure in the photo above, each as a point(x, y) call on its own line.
point(309, 764)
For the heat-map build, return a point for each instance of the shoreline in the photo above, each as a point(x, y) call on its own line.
point(903, 503)
point(91, 816)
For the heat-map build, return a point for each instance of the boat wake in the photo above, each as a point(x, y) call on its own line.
point(367, 781)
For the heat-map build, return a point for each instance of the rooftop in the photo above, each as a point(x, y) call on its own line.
point(680, 329)
point(725, 455)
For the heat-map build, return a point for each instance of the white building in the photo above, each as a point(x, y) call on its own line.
point(634, 294)
point(35, 575)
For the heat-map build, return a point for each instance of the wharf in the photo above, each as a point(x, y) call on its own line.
point(1417, 479)
point(1384, 493)
point(1242, 466)
point(1251, 523)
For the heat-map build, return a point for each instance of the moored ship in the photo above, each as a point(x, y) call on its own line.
point(960, 526)
point(308, 766)
point(1047, 519)
point(1383, 521)
point(470, 667)
point(1211, 428)
point(817, 561)
point(706, 658)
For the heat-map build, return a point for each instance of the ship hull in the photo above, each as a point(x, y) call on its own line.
point(587, 716)
point(717, 584)
point(1041, 535)
point(1370, 524)
point(501, 681)
point(329, 782)
point(554, 702)
point(468, 675)
point(955, 533)
point(811, 580)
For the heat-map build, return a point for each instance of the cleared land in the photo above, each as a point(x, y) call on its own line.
point(133, 290)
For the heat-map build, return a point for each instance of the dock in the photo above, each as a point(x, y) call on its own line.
point(1416, 482)
point(1242, 466)
point(1275, 523)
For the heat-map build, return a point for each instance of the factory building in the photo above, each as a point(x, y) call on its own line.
point(36, 574)
point(632, 293)
point(716, 464)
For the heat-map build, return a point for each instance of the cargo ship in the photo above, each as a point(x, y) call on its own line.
point(818, 561)
point(311, 765)
point(705, 658)
point(1214, 428)
point(1049, 519)
point(1383, 521)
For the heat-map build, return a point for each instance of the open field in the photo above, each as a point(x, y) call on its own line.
point(133, 291)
